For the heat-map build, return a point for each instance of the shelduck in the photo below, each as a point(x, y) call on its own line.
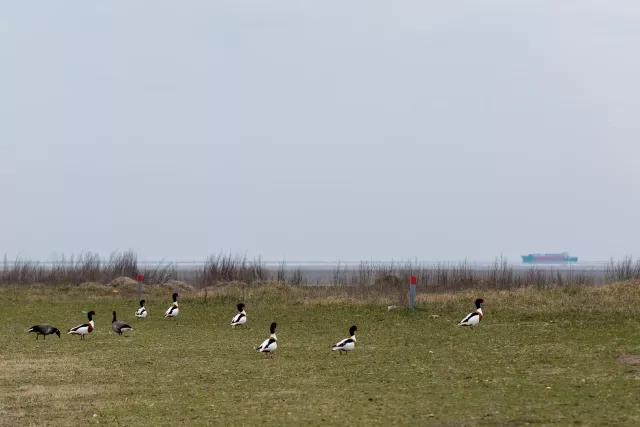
point(172, 311)
point(141, 313)
point(85, 328)
point(475, 317)
point(347, 344)
point(119, 327)
point(44, 329)
point(269, 345)
point(241, 317)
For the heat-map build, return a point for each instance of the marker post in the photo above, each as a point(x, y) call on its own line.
point(140, 285)
point(412, 292)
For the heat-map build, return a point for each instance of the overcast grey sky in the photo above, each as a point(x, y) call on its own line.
point(326, 130)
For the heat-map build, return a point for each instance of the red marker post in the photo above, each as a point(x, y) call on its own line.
point(140, 277)
point(412, 292)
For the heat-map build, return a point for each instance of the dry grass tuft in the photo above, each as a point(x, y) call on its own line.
point(176, 286)
point(92, 286)
point(123, 282)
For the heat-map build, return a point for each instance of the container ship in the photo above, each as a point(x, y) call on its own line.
point(560, 258)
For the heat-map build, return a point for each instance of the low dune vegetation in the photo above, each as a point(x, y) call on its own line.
point(224, 268)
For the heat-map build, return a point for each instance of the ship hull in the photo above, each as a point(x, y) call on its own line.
point(548, 259)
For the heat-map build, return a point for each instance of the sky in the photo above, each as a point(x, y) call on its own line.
point(321, 131)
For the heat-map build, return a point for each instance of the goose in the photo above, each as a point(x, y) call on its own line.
point(119, 327)
point(141, 313)
point(346, 344)
point(44, 329)
point(85, 328)
point(241, 317)
point(172, 311)
point(269, 345)
point(475, 317)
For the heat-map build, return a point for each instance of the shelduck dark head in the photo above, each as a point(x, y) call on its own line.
point(241, 306)
point(175, 296)
point(479, 301)
point(352, 330)
point(272, 328)
point(91, 314)
point(142, 303)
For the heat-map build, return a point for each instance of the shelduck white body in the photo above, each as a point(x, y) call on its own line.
point(173, 311)
point(346, 344)
point(241, 317)
point(85, 328)
point(269, 345)
point(474, 318)
point(142, 312)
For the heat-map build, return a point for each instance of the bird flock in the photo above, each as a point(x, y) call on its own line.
point(268, 346)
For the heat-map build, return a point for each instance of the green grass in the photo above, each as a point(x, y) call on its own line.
point(541, 357)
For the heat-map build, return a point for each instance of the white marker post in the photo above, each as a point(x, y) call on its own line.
point(140, 285)
point(412, 292)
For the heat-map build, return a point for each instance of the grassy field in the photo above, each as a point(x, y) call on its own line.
point(539, 357)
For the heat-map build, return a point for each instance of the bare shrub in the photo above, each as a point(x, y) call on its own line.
point(281, 275)
point(221, 268)
point(297, 278)
point(86, 267)
point(121, 265)
point(622, 270)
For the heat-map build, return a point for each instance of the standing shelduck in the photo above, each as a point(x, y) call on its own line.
point(44, 329)
point(270, 344)
point(172, 311)
point(474, 318)
point(141, 313)
point(85, 328)
point(119, 327)
point(241, 317)
point(346, 344)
